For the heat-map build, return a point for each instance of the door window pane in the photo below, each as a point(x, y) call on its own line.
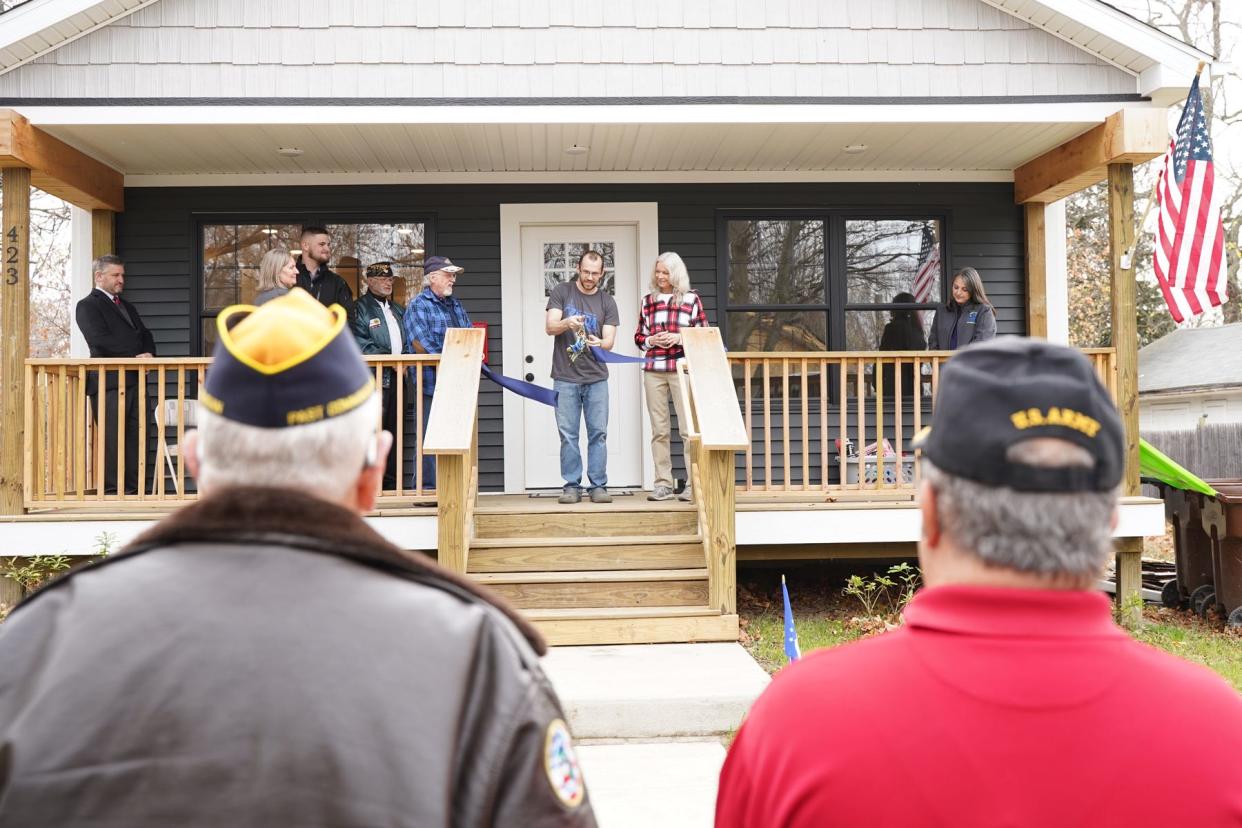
point(888, 257)
point(560, 263)
point(776, 262)
point(232, 253)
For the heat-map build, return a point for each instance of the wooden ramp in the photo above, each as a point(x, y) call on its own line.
point(628, 572)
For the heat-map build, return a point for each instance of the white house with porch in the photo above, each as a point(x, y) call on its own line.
point(795, 153)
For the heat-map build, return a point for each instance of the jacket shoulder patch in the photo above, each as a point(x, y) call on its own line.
point(560, 762)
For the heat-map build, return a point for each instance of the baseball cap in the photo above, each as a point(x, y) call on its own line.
point(994, 394)
point(379, 269)
point(433, 263)
point(289, 362)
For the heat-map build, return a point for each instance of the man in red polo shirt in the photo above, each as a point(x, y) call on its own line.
point(1009, 696)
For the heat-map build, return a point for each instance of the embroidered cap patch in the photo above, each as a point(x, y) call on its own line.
point(561, 764)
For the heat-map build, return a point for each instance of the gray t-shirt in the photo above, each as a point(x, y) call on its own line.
point(572, 360)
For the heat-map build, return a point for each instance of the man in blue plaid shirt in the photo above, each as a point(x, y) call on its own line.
point(433, 312)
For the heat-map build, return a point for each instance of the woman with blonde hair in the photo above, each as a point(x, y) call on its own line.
point(669, 308)
point(968, 317)
point(277, 274)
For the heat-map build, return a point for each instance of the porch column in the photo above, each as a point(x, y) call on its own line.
point(1125, 341)
point(81, 280)
point(1047, 294)
point(15, 328)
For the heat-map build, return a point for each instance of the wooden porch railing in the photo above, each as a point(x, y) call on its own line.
point(453, 436)
point(715, 435)
point(829, 423)
point(64, 458)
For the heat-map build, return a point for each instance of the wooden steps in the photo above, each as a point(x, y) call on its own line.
point(631, 572)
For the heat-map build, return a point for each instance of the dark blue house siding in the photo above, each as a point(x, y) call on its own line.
point(157, 235)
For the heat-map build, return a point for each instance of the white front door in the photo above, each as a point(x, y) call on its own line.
point(549, 256)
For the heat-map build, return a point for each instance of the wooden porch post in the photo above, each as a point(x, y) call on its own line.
point(1125, 341)
point(15, 325)
point(1036, 270)
point(103, 234)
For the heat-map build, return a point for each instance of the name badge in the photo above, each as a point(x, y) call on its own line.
point(970, 317)
point(375, 323)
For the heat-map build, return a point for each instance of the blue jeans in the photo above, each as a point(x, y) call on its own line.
point(574, 402)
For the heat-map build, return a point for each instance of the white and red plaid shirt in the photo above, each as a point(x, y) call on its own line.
point(660, 315)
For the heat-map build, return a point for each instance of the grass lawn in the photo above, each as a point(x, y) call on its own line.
point(825, 618)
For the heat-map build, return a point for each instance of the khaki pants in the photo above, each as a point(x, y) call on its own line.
point(659, 386)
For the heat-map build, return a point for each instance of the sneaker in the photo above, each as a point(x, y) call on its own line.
point(686, 495)
point(661, 493)
point(572, 494)
point(600, 495)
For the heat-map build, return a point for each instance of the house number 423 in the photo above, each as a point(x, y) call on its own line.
point(10, 257)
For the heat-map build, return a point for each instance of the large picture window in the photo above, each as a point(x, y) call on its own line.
point(892, 273)
point(231, 253)
point(777, 286)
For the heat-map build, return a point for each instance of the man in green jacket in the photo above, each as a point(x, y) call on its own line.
point(378, 326)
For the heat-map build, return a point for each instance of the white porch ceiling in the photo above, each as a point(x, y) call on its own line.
point(378, 148)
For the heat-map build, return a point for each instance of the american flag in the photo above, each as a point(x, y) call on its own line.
point(1190, 259)
point(929, 266)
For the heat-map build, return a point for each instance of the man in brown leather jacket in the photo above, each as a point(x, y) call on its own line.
point(263, 657)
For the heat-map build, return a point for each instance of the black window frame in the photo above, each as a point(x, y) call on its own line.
point(835, 277)
point(318, 217)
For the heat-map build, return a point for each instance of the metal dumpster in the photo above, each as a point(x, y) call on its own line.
point(1192, 548)
point(1222, 523)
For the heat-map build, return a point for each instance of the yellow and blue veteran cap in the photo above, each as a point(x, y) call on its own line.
point(994, 394)
point(289, 362)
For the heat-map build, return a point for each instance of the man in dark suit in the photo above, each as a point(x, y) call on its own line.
point(314, 275)
point(113, 329)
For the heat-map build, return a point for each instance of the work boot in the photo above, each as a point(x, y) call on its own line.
point(661, 493)
point(600, 495)
point(571, 494)
point(686, 494)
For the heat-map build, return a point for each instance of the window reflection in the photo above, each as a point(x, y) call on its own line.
point(776, 262)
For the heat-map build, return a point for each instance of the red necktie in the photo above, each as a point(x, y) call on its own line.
point(116, 300)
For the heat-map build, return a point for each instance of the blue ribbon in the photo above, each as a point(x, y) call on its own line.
point(616, 359)
point(522, 388)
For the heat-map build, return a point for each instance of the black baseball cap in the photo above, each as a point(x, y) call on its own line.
point(994, 394)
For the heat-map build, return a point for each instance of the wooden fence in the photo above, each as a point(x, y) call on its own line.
point(64, 457)
point(1213, 452)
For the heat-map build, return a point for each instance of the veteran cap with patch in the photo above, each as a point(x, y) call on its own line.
point(994, 394)
point(379, 270)
point(289, 362)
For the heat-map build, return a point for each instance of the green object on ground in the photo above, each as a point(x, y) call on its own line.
point(1155, 463)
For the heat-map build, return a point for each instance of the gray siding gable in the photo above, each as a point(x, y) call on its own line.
point(556, 48)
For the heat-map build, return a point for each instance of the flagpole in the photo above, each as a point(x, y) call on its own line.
point(1127, 255)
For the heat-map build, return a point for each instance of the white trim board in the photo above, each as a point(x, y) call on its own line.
point(897, 522)
point(573, 177)
point(1088, 114)
point(77, 537)
point(644, 215)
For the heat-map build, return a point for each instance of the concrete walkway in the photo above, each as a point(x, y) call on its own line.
point(650, 722)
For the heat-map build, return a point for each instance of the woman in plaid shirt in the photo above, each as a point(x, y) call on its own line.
point(667, 309)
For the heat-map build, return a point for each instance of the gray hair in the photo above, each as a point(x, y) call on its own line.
point(1057, 534)
point(678, 276)
point(106, 260)
point(270, 265)
point(323, 459)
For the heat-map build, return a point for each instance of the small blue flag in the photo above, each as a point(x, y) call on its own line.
point(792, 651)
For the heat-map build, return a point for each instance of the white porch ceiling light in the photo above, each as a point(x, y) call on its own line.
point(289, 152)
point(576, 149)
point(854, 149)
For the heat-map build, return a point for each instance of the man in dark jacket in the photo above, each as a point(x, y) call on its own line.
point(263, 657)
point(379, 329)
point(314, 275)
point(113, 329)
